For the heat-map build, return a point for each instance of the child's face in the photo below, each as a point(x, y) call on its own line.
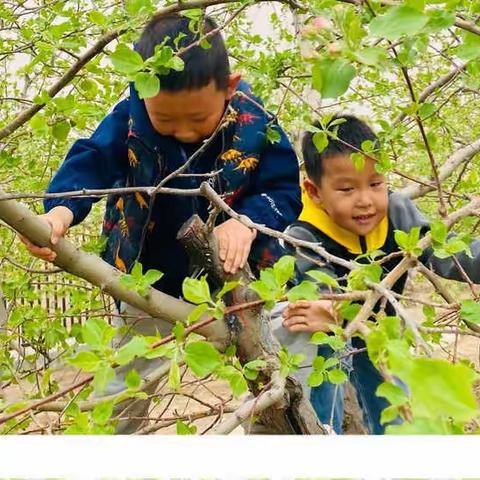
point(356, 200)
point(190, 116)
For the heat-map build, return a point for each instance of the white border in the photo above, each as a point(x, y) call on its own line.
point(237, 457)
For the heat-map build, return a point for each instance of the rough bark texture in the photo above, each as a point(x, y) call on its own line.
point(251, 333)
point(93, 269)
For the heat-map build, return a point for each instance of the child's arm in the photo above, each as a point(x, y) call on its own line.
point(274, 196)
point(405, 215)
point(273, 200)
point(94, 163)
point(98, 162)
point(447, 268)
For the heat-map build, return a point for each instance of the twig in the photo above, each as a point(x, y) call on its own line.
point(265, 400)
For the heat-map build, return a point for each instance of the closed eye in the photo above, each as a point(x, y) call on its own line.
point(376, 184)
point(345, 189)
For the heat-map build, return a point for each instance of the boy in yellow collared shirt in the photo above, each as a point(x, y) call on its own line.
point(350, 212)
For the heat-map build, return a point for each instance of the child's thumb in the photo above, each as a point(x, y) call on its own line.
point(58, 230)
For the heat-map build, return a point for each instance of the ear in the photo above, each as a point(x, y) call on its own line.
point(232, 85)
point(313, 191)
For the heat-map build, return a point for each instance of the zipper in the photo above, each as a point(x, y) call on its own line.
point(363, 244)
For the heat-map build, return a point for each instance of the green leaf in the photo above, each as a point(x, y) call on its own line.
point(38, 123)
point(272, 135)
point(330, 362)
point(134, 7)
point(227, 287)
point(102, 413)
point(137, 271)
point(136, 347)
point(197, 312)
point(470, 311)
point(147, 84)
point(283, 269)
point(315, 379)
point(86, 361)
point(321, 338)
point(389, 414)
point(337, 376)
point(196, 291)
point(331, 78)
point(202, 358)
point(398, 21)
point(251, 369)
point(319, 363)
point(439, 388)
point(61, 130)
point(152, 276)
point(438, 232)
point(238, 384)
point(184, 429)
point(174, 376)
point(320, 140)
point(324, 278)
point(304, 291)
point(96, 17)
point(470, 49)
point(263, 290)
point(125, 60)
point(393, 393)
point(105, 374)
point(371, 56)
point(97, 333)
point(132, 379)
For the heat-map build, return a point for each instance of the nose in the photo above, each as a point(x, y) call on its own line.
point(364, 199)
point(185, 134)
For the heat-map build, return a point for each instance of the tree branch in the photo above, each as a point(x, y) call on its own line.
point(254, 406)
point(462, 155)
point(98, 47)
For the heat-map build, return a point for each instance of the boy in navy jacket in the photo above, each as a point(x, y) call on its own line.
point(142, 141)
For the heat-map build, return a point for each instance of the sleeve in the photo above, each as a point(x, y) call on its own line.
point(274, 196)
point(98, 162)
point(447, 268)
point(305, 259)
point(405, 215)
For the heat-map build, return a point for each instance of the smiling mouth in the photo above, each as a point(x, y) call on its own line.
point(363, 219)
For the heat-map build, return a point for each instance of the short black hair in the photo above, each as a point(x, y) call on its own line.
point(351, 133)
point(201, 65)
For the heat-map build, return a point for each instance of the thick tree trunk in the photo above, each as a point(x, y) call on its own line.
point(248, 329)
point(252, 334)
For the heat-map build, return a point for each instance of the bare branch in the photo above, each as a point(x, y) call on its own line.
point(442, 81)
point(462, 155)
point(254, 406)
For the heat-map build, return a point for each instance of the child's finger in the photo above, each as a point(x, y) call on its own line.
point(293, 320)
point(246, 252)
point(222, 247)
point(299, 327)
point(230, 255)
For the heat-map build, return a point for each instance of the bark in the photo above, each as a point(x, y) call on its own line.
point(251, 333)
point(93, 269)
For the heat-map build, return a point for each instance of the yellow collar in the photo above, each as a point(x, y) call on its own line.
point(320, 219)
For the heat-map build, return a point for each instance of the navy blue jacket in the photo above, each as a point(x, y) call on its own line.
point(125, 150)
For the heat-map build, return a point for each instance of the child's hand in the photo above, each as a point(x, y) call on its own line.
point(309, 316)
point(59, 219)
point(234, 242)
